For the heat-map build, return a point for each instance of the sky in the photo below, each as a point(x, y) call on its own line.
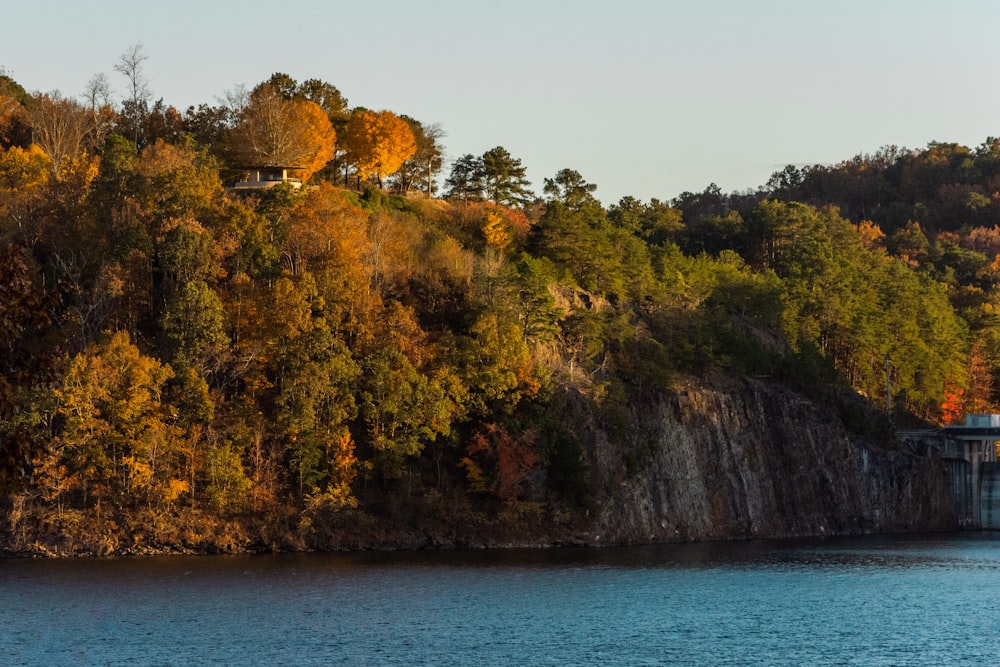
point(645, 98)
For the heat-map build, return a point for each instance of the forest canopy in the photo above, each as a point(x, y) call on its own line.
point(169, 344)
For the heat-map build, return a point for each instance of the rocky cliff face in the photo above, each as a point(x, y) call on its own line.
point(754, 460)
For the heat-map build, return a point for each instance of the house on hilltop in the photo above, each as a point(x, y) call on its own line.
point(265, 177)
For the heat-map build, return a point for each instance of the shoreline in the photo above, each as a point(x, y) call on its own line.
point(428, 543)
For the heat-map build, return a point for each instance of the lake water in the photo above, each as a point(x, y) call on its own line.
point(873, 601)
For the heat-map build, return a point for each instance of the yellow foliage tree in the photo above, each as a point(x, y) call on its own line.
point(495, 230)
point(114, 431)
point(181, 182)
point(23, 169)
point(378, 143)
point(328, 238)
point(78, 172)
point(343, 468)
point(161, 158)
point(24, 175)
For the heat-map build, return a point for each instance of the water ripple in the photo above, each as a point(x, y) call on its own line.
point(877, 601)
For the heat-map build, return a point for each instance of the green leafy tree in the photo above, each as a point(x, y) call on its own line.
point(327, 96)
point(498, 364)
point(395, 398)
point(575, 234)
point(467, 180)
point(657, 223)
point(504, 178)
point(569, 188)
point(536, 307)
point(315, 402)
point(194, 323)
point(187, 252)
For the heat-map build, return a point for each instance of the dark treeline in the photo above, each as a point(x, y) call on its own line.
point(282, 367)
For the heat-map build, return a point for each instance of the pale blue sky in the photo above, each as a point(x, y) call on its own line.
point(645, 98)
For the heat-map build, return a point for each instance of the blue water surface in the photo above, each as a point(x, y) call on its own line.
point(873, 601)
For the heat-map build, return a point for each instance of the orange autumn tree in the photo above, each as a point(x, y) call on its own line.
point(974, 399)
point(378, 143)
point(871, 235)
point(284, 132)
point(10, 110)
point(953, 405)
point(500, 463)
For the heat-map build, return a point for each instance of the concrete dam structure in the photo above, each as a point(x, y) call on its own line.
point(969, 453)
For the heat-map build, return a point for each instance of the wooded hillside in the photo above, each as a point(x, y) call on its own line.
point(179, 359)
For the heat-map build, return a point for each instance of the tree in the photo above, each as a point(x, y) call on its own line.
point(503, 178)
point(13, 130)
point(404, 409)
point(186, 252)
point(378, 143)
point(656, 222)
point(162, 122)
point(327, 96)
point(323, 93)
point(536, 307)
point(61, 127)
point(97, 100)
point(280, 132)
point(280, 84)
point(569, 188)
point(136, 103)
point(181, 182)
point(208, 124)
point(112, 433)
point(417, 173)
point(343, 464)
point(495, 231)
point(785, 181)
point(97, 94)
point(24, 175)
point(501, 463)
point(497, 363)
point(329, 99)
point(11, 88)
point(10, 111)
point(26, 307)
point(195, 327)
point(979, 399)
point(315, 379)
point(466, 181)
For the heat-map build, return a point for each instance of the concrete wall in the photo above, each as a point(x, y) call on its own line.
point(960, 472)
point(989, 503)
